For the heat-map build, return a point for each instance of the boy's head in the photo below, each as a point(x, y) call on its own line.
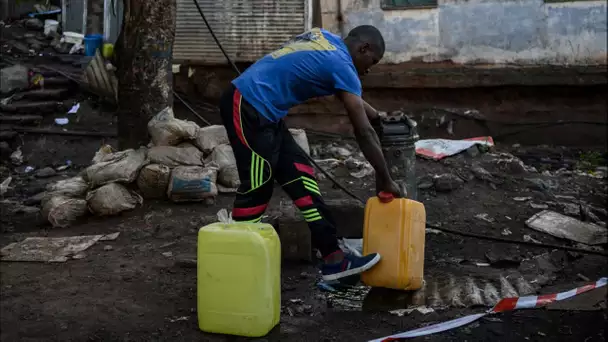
point(366, 47)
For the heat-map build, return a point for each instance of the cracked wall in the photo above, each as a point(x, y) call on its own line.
point(481, 31)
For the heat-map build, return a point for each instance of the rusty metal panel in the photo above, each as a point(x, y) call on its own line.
point(247, 29)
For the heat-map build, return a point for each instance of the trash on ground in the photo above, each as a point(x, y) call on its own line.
point(167, 254)
point(177, 319)
point(447, 182)
point(506, 232)
point(64, 167)
point(47, 249)
point(538, 205)
point(566, 227)
point(112, 199)
point(402, 312)
point(299, 135)
point(17, 157)
point(61, 211)
point(28, 169)
point(74, 109)
point(437, 149)
point(484, 217)
point(108, 248)
point(4, 186)
point(62, 121)
point(521, 199)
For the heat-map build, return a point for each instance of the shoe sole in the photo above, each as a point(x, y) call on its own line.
point(352, 271)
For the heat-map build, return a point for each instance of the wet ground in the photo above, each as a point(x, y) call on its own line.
point(132, 292)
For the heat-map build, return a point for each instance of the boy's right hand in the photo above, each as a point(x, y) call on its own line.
point(389, 186)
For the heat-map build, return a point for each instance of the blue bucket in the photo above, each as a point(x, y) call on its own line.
point(92, 42)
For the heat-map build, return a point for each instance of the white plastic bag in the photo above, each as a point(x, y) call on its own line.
point(120, 167)
point(112, 199)
point(192, 183)
point(166, 130)
point(223, 216)
point(211, 136)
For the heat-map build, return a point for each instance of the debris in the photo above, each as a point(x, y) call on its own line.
point(62, 121)
point(566, 227)
point(153, 180)
point(422, 309)
point(167, 254)
point(503, 261)
point(485, 217)
point(209, 137)
point(541, 185)
point(299, 135)
point(192, 183)
point(511, 164)
point(521, 199)
point(112, 199)
point(28, 169)
point(17, 157)
point(62, 211)
point(64, 167)
point(71, 187)
point(437, 149)
point(433, 231)
point(108, 248)
point(13, 78)
point(4, 185)
point(99, 79)
point(528, 238)
point(173, 156)
point(228, 174)
point(110, 237)
point(582, 277)
point(340, 152)
point(103, 154)
point(178, 319)
point(481, 173)
point(46, 172)
point(120, 167)
point(34, 24)
point(367, 170)
point(45, 249)
point(168, 244)
point(538, 205)
point(447, 182)
point(506, 232)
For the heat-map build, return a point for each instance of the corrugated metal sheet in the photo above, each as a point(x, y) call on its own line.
point(247, 29)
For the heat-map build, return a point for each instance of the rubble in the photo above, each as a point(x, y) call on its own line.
point(569, 228)
point(45, 172)
point(448, 182)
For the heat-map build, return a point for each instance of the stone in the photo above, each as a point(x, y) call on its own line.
point(340, 152)
point(46, 172)
point(425, 182)
point(481, 173)
point(108, 248)
point(14, 78)
point(448, 182)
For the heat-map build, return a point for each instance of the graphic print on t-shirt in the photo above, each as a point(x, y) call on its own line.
point(313, 40)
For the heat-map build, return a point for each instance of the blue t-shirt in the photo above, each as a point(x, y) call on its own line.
point(314, 64)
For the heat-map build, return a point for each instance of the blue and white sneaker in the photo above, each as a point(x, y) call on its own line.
point(351, 265)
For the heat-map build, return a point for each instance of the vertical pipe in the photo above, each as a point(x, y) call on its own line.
point(340, 18)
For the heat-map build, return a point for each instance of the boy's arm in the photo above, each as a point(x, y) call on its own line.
point(368, 140)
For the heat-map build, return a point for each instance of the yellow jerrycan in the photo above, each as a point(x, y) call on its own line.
point(395, 228)
point(238, 279)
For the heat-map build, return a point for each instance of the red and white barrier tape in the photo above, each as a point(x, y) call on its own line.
point(506, 304)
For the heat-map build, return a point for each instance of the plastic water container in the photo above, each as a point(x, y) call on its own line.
point(92, 42)
point(395, 228)
point(50, 26)
point(238, 279)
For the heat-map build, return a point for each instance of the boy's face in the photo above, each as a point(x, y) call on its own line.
point(365, 57)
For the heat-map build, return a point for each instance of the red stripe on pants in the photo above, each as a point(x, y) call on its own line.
point(236, 115)
point(303, 201)
point(240, 212)
point(305, 168)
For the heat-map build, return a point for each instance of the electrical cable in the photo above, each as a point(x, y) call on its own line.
point(351, 194)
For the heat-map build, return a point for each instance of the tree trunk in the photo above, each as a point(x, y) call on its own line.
point(143, 61)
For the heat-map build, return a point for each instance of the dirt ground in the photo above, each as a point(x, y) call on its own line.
point(132, 292)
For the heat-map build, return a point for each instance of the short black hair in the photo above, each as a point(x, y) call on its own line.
point(368, 34)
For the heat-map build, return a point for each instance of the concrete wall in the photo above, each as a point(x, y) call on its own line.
point(481, 31)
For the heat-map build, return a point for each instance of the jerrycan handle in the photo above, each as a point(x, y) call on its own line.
point(385, 197)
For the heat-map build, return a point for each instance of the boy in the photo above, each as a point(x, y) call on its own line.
point(314, 64)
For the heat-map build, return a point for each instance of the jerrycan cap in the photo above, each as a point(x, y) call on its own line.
point(385, 197)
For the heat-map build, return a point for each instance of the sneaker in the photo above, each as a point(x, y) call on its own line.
point(351, 265)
